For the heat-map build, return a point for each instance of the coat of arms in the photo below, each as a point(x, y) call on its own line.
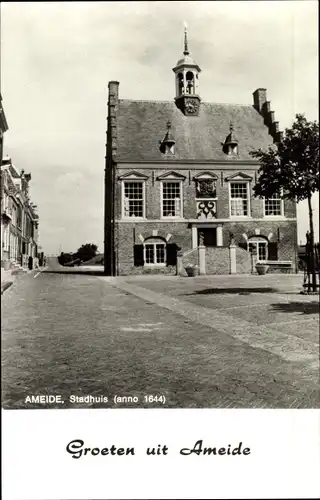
point(206, 188)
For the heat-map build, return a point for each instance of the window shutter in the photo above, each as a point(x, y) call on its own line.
point(272, 251)
point(172, 254)
point(138, 255)
point(243, 245)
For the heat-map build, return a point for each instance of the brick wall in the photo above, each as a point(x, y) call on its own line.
point(128, 234)
point(284, 233)
point(243, 259)
point(217, 260)
point(191, 257)
point(153, 192)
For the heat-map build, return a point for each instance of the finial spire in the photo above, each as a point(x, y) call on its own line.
point(231, 127)
point(186, 50)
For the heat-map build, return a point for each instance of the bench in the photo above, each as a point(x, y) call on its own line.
point(280, 266)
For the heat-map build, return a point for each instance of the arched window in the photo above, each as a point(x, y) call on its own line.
point(232, 149)
point(259, 245)
point(155, 252)
point(190, 82)
point(180, 83)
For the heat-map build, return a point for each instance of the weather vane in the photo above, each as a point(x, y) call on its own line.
point(186, 50)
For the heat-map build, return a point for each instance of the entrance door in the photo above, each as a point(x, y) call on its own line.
point(207, 237)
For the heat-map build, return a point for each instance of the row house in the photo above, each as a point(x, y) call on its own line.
point(19, 218)
point(179, 174)
point(3, 127)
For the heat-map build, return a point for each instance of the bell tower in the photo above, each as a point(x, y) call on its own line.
point(187, 82)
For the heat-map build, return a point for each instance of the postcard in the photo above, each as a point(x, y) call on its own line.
point(160, 254)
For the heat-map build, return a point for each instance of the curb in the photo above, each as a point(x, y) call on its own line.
point(5, 286)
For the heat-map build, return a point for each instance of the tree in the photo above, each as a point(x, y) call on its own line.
point(292, 169)
point(87, 251)
point(65, 258)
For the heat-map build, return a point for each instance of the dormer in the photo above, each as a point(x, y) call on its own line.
point(167, 145)
point(230, 145)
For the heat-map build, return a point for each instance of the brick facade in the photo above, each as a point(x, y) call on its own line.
point(281, 231)
point(244, 262)
point(149, 140)
point(217, 260)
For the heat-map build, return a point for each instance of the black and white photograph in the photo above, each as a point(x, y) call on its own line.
point(153, 247)
point(159, 210)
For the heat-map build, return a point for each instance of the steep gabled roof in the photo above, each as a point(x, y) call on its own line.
point(140, 126)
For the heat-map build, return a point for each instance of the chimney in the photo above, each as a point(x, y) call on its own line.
point(271, 116)
point(268, 116)
point(113, 92)
point(113, 88)
point(266, 108)
point(259, 98)
point(279, 137)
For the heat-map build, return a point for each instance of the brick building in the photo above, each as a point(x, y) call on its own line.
point(19, 218)
point(179, 174)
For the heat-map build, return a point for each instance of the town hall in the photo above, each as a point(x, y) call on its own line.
point(179, 176)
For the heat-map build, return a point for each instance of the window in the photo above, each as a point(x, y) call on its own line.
point(180, 84)
point(171, 199)
point(154, 252)
point(133, 199)
point(6, 238)
point(232, 149)
point(239, 205)
point(260, 247)
point(190, 83)
point(273, 206)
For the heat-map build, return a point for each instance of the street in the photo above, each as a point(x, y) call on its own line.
point(205, 342)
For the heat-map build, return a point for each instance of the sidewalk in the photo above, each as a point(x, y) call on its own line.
point(260, 316)
point(9, 277)
point(212, 342)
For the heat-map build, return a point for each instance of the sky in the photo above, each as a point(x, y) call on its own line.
point(57, 59)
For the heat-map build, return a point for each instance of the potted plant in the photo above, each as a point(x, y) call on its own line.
point(262, 268)
point(191, 269)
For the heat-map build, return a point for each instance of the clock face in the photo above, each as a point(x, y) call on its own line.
point(191, 106)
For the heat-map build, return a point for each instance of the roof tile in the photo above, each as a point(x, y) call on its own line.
point(141, 125)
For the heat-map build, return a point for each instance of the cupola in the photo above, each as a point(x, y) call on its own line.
point(187, 82)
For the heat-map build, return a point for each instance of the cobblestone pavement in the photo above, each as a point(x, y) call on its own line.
point(214, 342)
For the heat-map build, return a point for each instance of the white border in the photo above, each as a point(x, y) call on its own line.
point(284, 459)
